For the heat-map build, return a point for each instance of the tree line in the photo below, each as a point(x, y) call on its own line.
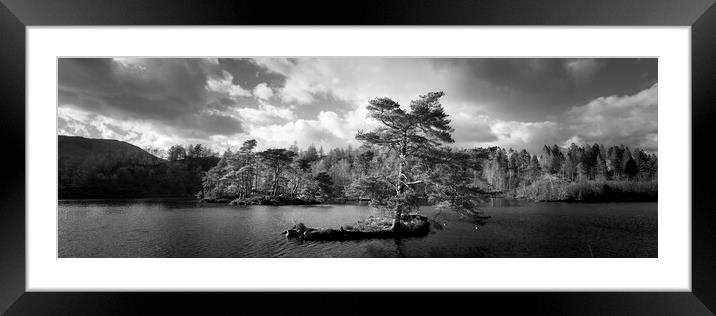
point(312, 174)
point(505, 170)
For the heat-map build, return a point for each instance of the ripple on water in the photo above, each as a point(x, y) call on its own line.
point(184, 228)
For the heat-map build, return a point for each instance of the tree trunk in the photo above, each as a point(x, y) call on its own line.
point(400, 187)
point(255, 185)
point(396, 219)
point(274, 190)
point(294, 191)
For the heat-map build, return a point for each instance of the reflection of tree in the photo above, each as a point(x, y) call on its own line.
point(398, 249)
point(438, 220)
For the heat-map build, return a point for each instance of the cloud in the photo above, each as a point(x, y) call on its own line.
point(205, 124)
point(472, 130)
point(629, 119)
point(248, 73)
point(583, 69)
point(263, 91)
point(572, 140)
point(134, 88)
point(129, 95)
point(525, 135)
point(196, 129)
point(355, 80)
point(612, 120)
point(469, 97)
point(265, 113)
point(224, 85)
point(328, 129)
point(510, 102)
point(302, 132)
point(80, 123)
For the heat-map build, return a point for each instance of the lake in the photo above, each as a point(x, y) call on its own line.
point(186, 228)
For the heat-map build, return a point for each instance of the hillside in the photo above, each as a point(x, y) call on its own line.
point(105, 168)
point(80, 148)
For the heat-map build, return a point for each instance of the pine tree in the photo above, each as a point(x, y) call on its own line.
point(557, 160)
point(615, 162)
point(601, 169)
point(364, 160)
point(643, 163)
point(535, 169)
point(176, 152)
point(546, 159)
point(630, 168)
point(276, 160)
point(582, 172)
point(415, 136)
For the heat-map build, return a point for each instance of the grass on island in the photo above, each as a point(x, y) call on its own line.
point(409, 222)
point(371, 224)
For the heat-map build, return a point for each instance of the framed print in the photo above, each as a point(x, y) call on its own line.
point(472, 147)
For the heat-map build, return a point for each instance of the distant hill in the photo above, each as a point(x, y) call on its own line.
point(106, 168)
point(80, 148)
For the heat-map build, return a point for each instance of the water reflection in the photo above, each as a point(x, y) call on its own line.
point(184, 228)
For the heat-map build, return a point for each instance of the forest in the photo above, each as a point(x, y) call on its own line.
point(312, 174)
point(579, 173)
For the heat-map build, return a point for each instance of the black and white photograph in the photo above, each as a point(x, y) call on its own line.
point(357, 157)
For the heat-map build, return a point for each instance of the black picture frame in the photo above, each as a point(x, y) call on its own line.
point(16, 15)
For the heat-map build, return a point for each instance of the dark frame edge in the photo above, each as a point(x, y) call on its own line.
point(366, 12)
point(703, 95)
point(12, 188)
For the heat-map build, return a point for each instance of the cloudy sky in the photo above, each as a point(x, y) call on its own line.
point(518, 103)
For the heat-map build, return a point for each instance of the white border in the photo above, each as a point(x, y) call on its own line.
point(670, 271)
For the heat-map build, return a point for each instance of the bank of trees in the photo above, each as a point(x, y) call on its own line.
point(367, 172)
point(507, 169)
point(342, 172)
point(576, 173)
point(306, 174)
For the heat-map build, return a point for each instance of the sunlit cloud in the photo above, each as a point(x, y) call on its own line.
point(225, 85)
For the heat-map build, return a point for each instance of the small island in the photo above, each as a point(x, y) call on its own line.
point(411, 225)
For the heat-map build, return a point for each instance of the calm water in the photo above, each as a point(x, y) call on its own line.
point(185, 228)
